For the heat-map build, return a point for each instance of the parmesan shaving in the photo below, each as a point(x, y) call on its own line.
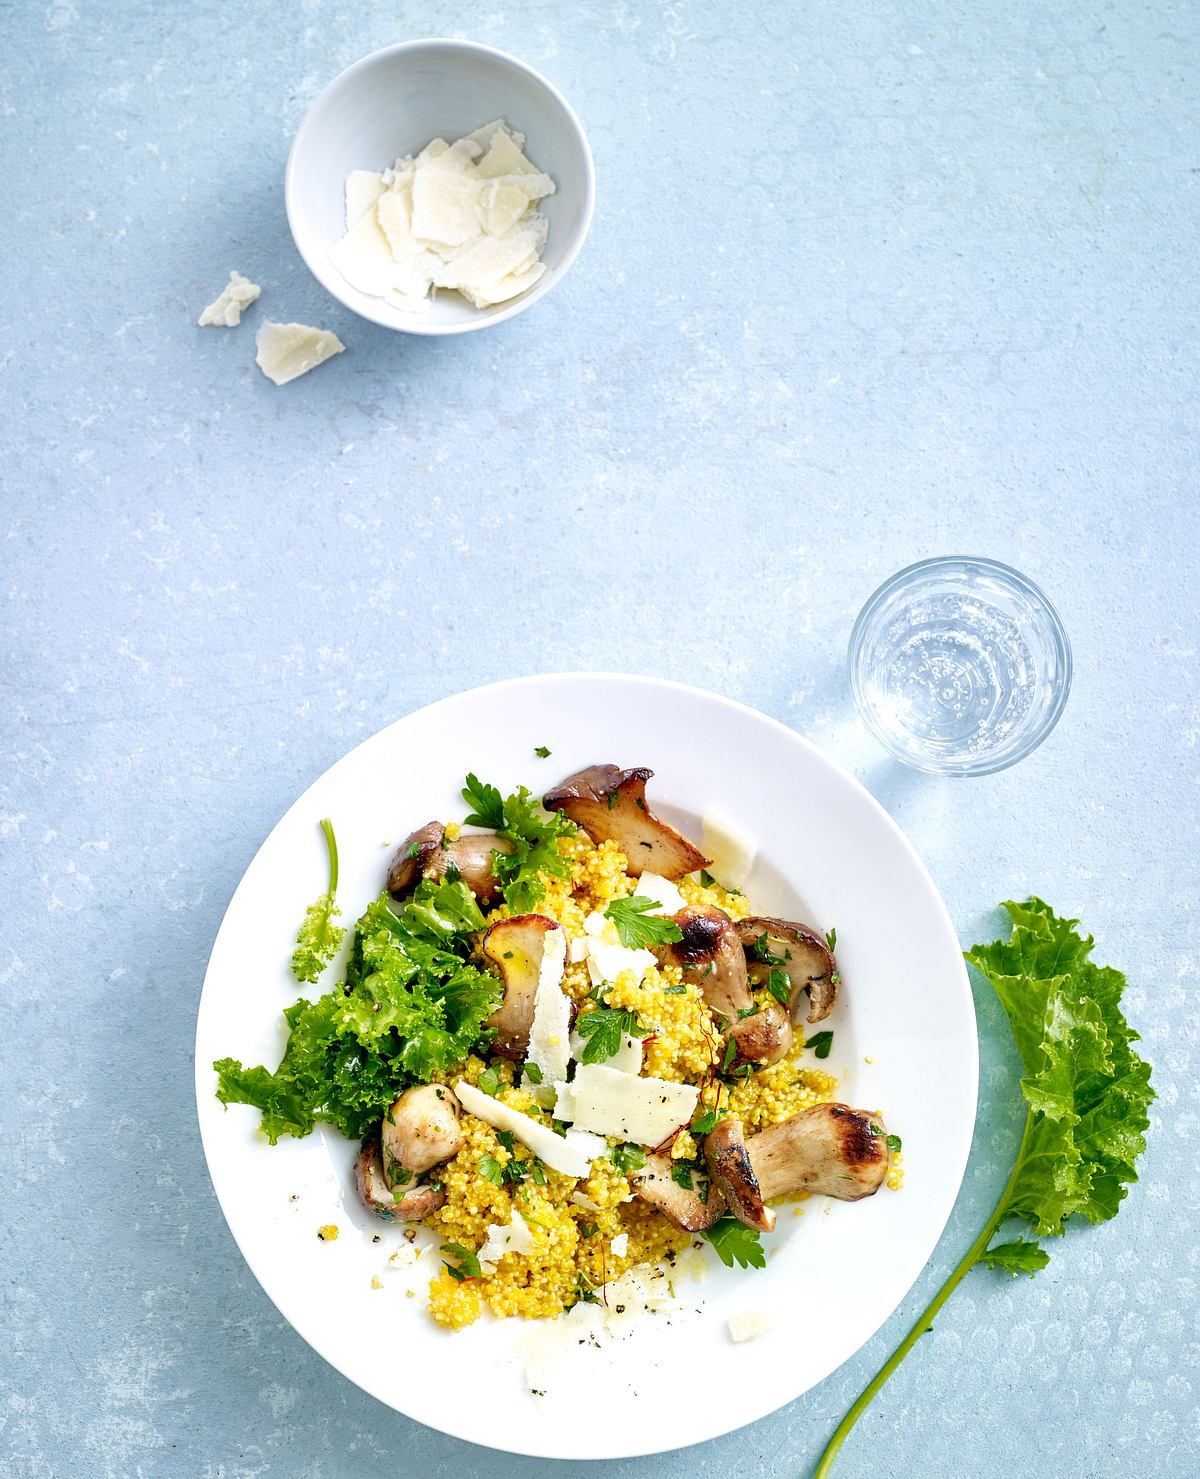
point(225, 312)
point(607, 1102)
point(288, 350)
point(572, 1154)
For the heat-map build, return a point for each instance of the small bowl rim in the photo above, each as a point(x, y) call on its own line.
point(486, 317)
point(1015, 577)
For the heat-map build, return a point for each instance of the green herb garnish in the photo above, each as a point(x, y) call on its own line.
point(319, 939)
point(674, 990)
point(468, 1262)
point(488, 1082)
point(831, 940)
point(761, 950)
point(1087, 1095)
point(893, 1144)
point(541, 752)
point(486, 803)
point(491, 1170)
point(820, 1043)
point(705, 1122)
point(736, 1243)
point(681, 1174)
point(779, 986)
point(533, 1073)
point(604, 1029)
point(638, 927)
point(627, 1158)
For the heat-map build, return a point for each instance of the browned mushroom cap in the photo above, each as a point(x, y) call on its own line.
point(516, 947)
point(711, 957)
point(425, 853)
point(830, 1148)
point(729, 1166)
point(378, 1197)
point(799, 952)
point(609, 803)
point(763, 1038)
point(419, 1131)
point(654, 1185)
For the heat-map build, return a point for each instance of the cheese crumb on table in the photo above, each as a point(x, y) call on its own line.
point(458, 216)
point(288, 350)
point(225, 312)
point(748, 1325)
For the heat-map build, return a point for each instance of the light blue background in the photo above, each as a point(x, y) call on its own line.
point(866, 283)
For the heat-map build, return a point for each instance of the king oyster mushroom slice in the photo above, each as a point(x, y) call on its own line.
point(763, 1038)
point(728, 1163)
point(654, 1185)
point(515, 946)
point(830, 1149)
point(610, 804)
point(419, 1131)
point(426, 853)
point(711, 957)
point(802, 955)
point(377, 1196)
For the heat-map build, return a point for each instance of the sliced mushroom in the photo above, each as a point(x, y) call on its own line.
point(711, 957)
point(831, 1149)
point(729, 1166)
point(419, 1131)
point(378, 1197)
point(515, 946)
point(610, 803)
point(801, 954)
point(654, 1185)
point(763, 1038)
point(425, 853)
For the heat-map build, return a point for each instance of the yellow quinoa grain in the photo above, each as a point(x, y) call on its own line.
point(328, 1233)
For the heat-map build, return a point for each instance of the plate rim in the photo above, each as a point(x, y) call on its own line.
point(961, 1151)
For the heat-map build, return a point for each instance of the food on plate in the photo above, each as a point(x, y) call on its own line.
point(225, 311)
point(286, 351)
point(566, 1049)
point(461, 217)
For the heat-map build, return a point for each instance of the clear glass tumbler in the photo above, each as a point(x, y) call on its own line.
point(959, 666)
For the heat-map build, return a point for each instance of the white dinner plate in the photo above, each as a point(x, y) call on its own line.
point(903, 1043)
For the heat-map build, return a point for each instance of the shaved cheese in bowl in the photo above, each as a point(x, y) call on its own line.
point(456, 216)
point(731, 851)
point(572, 1153)
point(642, 1110)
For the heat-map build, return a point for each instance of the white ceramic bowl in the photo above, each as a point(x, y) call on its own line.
point(394, 102)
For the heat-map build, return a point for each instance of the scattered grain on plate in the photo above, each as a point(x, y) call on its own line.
point(328, 1233)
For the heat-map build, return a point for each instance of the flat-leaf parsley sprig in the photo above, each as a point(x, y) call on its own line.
point(1087, 1094)
point(532, 835)
point(319, 939)
point(640, 922)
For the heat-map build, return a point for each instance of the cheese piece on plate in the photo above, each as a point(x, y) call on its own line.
point(627, 1058)
point(642, 1110)
point(288, 350)
point(731, 851)
point(550, 1033)
point(620, 1245)
point(225, 312)
point(607, 958)
point(662, 891)
point(749, 1325)
point(363, 189)
point(513, 1237)
point(572, 1154)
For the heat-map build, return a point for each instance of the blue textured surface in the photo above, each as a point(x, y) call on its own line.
point(866, 283)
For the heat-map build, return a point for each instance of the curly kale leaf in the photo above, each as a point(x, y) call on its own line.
point(319, 939)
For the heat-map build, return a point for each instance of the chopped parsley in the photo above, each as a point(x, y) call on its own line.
point(412, 851)
point(467, 1266)
point(486, 803)
point(705, 1122)
point(706, 878)
point(488, 1082)
point(627, 1158)
point(533, 1073)
point(820, 1043)
point(779, 986)
point(736, 1243)
point(491, 1170)
point(761, 950)
point(319, 939)
point(831, 940)
point(730, 1054)
point(637, 926)
point(604, 1030)
point(674, 990)
point(681, 1174)
point(893, 1144)
point(541, 752)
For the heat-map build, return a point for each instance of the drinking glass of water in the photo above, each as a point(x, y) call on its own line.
point(959, 666)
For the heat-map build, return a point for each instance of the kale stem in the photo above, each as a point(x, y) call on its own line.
point(925, 1323)
point(331, 844)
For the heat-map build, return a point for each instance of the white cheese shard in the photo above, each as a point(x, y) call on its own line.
point(731, 851)
point(550, 1033)
point(225, 312)
point(571, 1154)
point(620, 1245)
point(749, 1325)
point(606, 956)
point(662, 891)
point(288, 350)
point(363, 189)
point(627, 1058)
point(459, 216)
point(513, 1237)
point(644, 1111)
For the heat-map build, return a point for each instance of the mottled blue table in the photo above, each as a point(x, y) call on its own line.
point(866, 283)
